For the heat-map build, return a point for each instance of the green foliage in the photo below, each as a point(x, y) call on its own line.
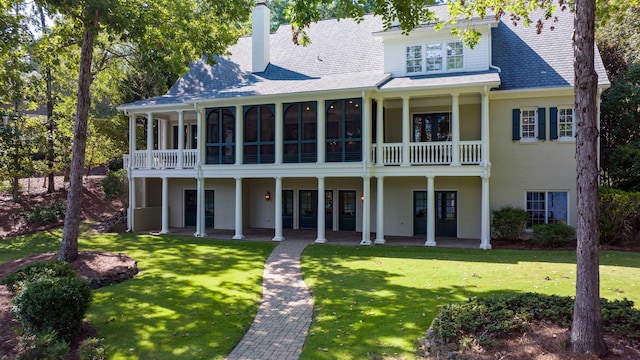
point(43, 214)
point(92, 349)
point(116, 185)
point(486, 319)
point(36, 272)
point(554, 235)
point(509, 222)
point(115, 163)
point(4, 186)
point(53, 304)
point(45, 346)
point(619, 217)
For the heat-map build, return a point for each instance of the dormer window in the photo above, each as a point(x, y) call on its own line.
point(435, 58)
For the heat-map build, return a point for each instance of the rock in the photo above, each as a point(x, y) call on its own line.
point(452, 346)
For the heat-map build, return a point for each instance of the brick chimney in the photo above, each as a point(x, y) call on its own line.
point(260, 37)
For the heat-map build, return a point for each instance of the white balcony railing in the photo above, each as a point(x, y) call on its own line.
point(162, 159)
point(430, 153)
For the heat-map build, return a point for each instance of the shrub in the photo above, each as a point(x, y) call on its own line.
point(92, 349)
point(481, 320)
point(115, 163)
point(554, 235)
point(509, 222)
point(35, 272)
point(619, 216)
point(45, 346)
point(115, 185)
point(53, 304)
point(45, 213)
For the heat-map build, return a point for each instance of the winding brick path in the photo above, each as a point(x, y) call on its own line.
point(281, 325)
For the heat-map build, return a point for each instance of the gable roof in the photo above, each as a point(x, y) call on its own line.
point(345, 55)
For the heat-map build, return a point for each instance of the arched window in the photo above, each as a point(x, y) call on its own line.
point(259, 134)
point(300, 125)
point(344, 130)
point(221, 143)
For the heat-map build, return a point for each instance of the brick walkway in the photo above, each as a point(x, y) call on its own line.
point(281, 325)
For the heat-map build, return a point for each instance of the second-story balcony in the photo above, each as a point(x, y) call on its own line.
point(420, 153)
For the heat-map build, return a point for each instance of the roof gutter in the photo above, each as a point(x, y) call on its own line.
point(491, 66)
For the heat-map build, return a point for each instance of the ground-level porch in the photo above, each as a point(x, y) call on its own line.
point(376, 208)
point(349, 238)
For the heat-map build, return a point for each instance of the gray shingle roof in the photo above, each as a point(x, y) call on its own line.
point(345, 55)
point(530, 60)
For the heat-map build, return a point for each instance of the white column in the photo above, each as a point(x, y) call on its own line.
point(455, 129)
point(132, 204)
point(278, 138)
point(202, 138)
point(200, 221)
point(132, 187)
point(180, 139)
point(239, 135)
point(485, 236)
point(321, 212)
point(406, 131)
point(149, 140)
point(165, 206)
point(367, 123)
point(278, 212)
point(431, 212)
point(366, 212)
point(380, 211)
point(485, 127)
point(380, 132)
point(238, 235)
point(164, 139)
point(321, 132)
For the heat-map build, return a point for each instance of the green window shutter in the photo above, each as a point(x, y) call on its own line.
point(553, 123)
point(541, 124)
point(515, 134)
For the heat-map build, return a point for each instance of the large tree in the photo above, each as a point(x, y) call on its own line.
point(182, 30)
point(586, 334)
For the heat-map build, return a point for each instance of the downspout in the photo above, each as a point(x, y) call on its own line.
point(491, 66)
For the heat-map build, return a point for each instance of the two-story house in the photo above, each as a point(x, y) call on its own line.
point(364, 130)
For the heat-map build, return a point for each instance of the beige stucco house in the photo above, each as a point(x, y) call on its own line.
point(365, 130)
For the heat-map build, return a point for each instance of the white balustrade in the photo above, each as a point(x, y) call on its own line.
point(190, 158)
point(125, 161)
point(392, 153)
point(162, 159)
point(430, 153)
point(470, 152)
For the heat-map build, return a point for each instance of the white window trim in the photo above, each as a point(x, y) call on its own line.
point(572, 138)
point(545, 200)
point(534, 139)
point(443, 50)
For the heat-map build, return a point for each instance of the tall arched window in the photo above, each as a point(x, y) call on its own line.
point(221, 143)
point(259, 134)
point(344, 130)
point(300, 132)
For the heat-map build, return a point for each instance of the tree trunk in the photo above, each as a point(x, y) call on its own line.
point(69, 247)
point(50, 123)
point(586, 331)
point(15, 189)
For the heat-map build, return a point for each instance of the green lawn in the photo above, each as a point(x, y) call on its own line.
point(376, 302)
point(193, 298)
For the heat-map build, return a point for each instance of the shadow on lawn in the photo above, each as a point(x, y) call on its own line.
point(368, 313)
point(177, 307)
point(609, 258)
point(363, 315)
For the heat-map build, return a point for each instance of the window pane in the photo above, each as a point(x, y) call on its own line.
point(434, 57)
point(528, 124)
point(309, 122)
point(557, 203)
point(266, 123)
point(334, 120)
point(414, 59)
point(213, 127)
point(565, 123)
point(535, 208)
point(251, 125)
point(455, 55)
point(291, 123)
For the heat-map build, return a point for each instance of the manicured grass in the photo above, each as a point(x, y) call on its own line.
point(377, 302)
point(193, 298)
